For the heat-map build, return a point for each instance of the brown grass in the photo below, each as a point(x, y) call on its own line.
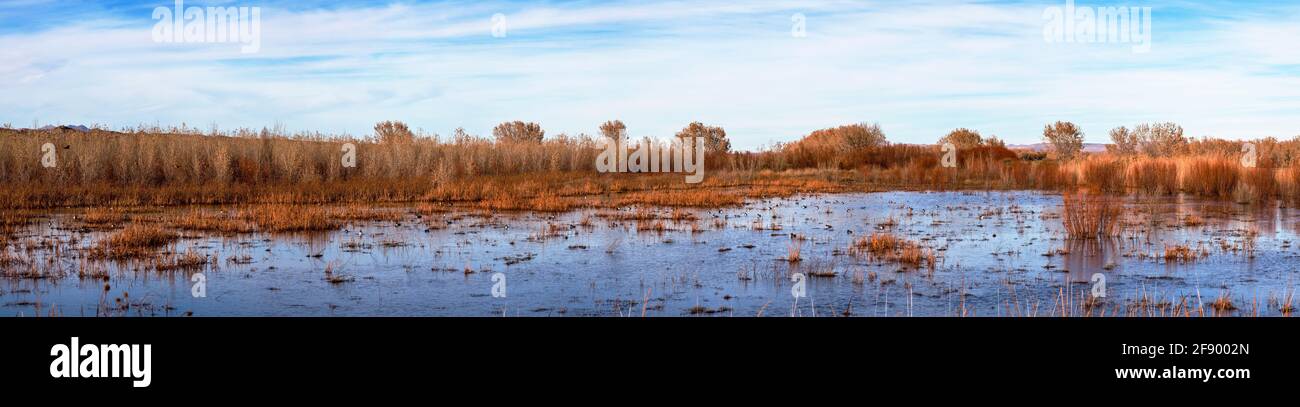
point(211, 221)
point(188, 260)
point(1090, 215)
point(1181, 254)
point(1104, 174)
point(135, 241)
point(1156, 176)
point(290, 218)
point(1212, 177)
point(794, 251)
point(888, 247)
point(1259, 184)
point(184, 166)
point(104, 216)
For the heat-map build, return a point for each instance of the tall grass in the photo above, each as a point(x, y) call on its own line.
point(185, 166)
point(1104, 174)
point(1259, 184)
point(1090, 215)
point(1155, 176)
point(1213, 177)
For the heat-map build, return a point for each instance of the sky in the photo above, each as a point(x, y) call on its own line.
point(766, 71)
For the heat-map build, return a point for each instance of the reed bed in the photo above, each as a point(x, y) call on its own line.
point(1090, 215)
point(1156, 176)
point(152, 166)
point(135, 241)
point(1212, 177)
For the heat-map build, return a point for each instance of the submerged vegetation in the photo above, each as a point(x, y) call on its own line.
point(150, 198)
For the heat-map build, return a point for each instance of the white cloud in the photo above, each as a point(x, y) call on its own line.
point(919, 70)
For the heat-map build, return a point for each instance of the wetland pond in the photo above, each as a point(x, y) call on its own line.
point(995, 254)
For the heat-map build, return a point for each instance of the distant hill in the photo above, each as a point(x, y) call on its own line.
point(1044, 147)
point(78, 128)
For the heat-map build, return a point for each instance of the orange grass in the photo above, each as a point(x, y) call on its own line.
point(134, 241)
point(1090, 215)
point(1212, 177)
point(1155, 176)
point(886, 246)
point(184, 166)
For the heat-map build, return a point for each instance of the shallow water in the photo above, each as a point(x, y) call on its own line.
point(1000, 254)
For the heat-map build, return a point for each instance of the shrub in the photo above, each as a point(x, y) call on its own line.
point(614, 130)
point(1123, 141)
point(1065, 137)
point(1161, 139)
point(962, 138)
point(715, 138)
point(518, 132)
point(393, 132)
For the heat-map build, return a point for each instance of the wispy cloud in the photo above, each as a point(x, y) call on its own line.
point(919, 69)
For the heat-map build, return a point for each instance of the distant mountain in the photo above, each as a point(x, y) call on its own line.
point(77, 128)
point(1044, 147)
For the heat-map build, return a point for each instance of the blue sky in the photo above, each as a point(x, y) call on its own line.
point(1223, 69)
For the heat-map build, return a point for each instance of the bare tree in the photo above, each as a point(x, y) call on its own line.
point(394, 132)
point(614, 130)
point(863, 135)
point(715, 138)
point(518, 132)
point(1161, 139)
point(1123, 141)
point(1065, 137)
point(994, 141)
